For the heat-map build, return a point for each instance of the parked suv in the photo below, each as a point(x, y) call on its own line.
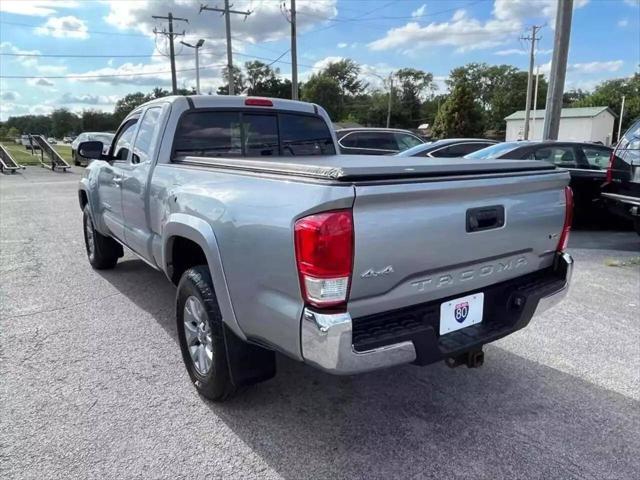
point(375, 141)
point(622, 187)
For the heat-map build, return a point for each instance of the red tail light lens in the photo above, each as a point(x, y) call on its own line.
point(568, 219)
point(609, 176)
point(258, 102)
point(324, 255)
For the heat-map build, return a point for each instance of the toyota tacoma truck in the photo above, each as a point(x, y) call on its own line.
point(350, 263)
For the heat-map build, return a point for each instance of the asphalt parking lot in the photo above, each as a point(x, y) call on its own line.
point(92, 383)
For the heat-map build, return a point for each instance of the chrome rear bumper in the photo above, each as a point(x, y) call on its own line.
point(327, 337)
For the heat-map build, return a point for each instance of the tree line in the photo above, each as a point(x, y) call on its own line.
point(479, 96)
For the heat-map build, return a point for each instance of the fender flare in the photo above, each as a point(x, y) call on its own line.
point(201, 233)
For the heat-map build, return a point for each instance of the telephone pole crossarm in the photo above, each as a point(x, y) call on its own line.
point(227, 12)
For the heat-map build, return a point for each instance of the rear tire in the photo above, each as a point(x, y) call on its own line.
point(201, 335)
point(103, 252)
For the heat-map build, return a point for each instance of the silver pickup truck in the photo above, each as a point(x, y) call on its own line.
point(276, 242)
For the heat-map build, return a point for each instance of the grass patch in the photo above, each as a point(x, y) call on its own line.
point(24, 157)
point(610, 262)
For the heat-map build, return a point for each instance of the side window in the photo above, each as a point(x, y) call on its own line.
point(406, 141)
point(215, 134)
point(261, 135)
point(305, 135)
point(598, 158)
point(350, 140)
point(147, 134)
point(560, 156)
point(461, 149)
point(122, 144)
point(376, 141)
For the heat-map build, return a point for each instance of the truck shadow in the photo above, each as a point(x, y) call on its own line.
point(513, 418)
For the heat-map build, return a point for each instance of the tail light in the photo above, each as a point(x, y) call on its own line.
point(609, 176)
point(568, 218)
point(324, 256)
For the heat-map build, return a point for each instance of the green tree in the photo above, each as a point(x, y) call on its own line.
point(239, 82)
point(345, 72)
point(264, 81)
point(63, 122)
point(459, 115)
point(125, 105)
point(413, 85)
point(499, 89)
point(325, 91)
point(94, 121)
point(12, 133)
point(609, 94)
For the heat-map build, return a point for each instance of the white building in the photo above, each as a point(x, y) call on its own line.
point(589, 124)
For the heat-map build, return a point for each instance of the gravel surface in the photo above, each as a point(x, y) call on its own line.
point(92, 384)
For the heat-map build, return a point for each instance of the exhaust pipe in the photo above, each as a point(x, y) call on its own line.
point(472, 359)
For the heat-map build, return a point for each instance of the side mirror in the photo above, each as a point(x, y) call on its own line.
point(90, 150)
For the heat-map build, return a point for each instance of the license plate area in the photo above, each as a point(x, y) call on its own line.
point(461, 313)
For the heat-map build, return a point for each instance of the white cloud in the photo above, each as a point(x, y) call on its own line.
point(264, 24)
point(524, 10)
point(419, 12)
point(624, 22)
point(588, 67)
point(39, 8)
point(30, 60)
point(461, 31)
point(343, 45)
point(518, 51)
point(40, 82)
point(64, 27)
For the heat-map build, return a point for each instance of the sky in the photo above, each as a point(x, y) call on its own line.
point(87, 54)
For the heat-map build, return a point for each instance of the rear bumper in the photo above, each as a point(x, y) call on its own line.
point(338, 344)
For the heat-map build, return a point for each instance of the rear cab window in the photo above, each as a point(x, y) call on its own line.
point(219, 133)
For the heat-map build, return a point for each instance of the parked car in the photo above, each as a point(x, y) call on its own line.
point(375, 141)
point(622, 188)
point(586, 162)
point(26, 142)
point(51, 141)
point(103, 137)
point(451, 147)
point(276, 243)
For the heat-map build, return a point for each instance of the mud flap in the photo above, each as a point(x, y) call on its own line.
point(248, 364)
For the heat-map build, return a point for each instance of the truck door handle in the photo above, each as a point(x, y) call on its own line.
point(117, 180)
point(485, 218)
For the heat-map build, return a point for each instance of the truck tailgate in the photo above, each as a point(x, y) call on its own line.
point(433, 238)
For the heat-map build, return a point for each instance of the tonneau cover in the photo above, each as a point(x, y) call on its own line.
point(368, 167)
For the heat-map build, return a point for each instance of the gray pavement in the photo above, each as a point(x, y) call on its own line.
point(92, 383)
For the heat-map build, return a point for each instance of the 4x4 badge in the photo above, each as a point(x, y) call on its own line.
point(376, 273)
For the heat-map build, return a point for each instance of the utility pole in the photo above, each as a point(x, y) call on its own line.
point(196, 47)
point(294, 53)
point(620, 121)
point(535, 102)
point(172, 55)
point(527, 109)
point(553, 108)
point(389, 102)
point(226, 11)
point(290, 15)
